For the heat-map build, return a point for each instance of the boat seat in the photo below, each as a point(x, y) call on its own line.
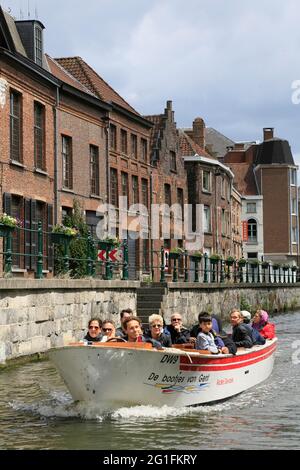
point(184, 346)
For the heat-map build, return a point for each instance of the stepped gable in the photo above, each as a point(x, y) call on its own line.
point(189, 148)
point(274, 151)
point(77, 67)
point(62, 74)
point(156, 131)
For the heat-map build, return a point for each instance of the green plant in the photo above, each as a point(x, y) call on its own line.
point(285, 267)
point(294, 268)
point(230, 260)
point(111, 240)
point(196, 254)
point(9, 220)
point(276, 266)
point(244, 304)
point(177, 250)
point(253, 262)
point(215, 256)
point(265, 264)
point(60, 228)
point(242, 262)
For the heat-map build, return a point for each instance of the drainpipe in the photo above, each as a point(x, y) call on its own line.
point(150, 226)
point(106, 129)
point(56, 157)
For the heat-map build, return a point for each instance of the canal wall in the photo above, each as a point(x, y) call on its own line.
point(36, 315)
point(191, 299)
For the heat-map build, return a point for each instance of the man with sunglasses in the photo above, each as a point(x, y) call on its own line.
point(108, 329)
point(94, 330)
point(179, 334)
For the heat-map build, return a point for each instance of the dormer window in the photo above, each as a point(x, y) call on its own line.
point(38, 46)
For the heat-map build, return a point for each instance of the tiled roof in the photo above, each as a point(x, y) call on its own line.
point(189, 148)
point(62, 74)
point(77, 67)
point(244, 180)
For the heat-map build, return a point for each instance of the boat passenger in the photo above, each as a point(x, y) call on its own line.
point(155, 331)
point(133, 328)
point(206, 339)
point(125, 313)
point(179, 334)
point(256, 336)
point(94, 333)
point(216, 325)
point(108, 329)
point(240, 333)
point(261, 323)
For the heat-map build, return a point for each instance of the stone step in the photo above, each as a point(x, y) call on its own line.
point(154, 303)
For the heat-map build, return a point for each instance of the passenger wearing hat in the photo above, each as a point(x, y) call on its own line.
point(246, 316)
point(261, 323)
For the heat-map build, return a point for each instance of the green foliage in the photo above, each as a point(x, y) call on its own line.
point(244, 304)
point(78, 248)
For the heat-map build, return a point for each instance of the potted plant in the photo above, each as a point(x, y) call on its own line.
point(229, 260)
point(265, 264)
point(276, 266)
point(253, 262)
point(196, 256)
point(294, 268)
point(215, 258)
point(60, 233)
point(175, 253)
point(7, 224)
point(242, 262)
point(285, 267)
point(108, 243)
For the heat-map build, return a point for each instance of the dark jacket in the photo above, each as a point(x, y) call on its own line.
point(163, 339)
point(178, 338)
point(94, 340)
point(242, 336)
point(257, 338)
point(120, 333)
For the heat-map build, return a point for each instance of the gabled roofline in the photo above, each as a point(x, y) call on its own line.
point(132, 116)
point(85, 96)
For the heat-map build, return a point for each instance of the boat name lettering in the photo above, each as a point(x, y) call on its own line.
point(225, 381)
point(169, 359)
point(153, 376)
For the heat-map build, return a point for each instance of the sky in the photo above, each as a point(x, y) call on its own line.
point(233, 63)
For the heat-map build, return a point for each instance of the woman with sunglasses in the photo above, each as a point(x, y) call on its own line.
point(155, 331)
point(94, 330)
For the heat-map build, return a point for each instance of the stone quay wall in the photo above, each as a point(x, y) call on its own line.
point(36, 315)
point(190, 299)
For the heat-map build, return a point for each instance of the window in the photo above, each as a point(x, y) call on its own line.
point(294, 206)
point(123, 141)
point(252, 255)
point(145, 192)
point(17, 211)
point(39, 136)
point(144, 150)
point(124, 185)
point(251, 207)
point(66, 212)
point(168, 195)
point(92, 221)
point(223, 222)
point(15, 127)
point(145, 254)
point(135, 190)
point(293, 177)
point(113, 137)
point(180, 200)
point(173, 161)
point(133, 145)
point(252, 231)
point(67, 172)
point(206, 219)
point(206, 185)
point(38, 47)
point(114, 187)
point(94, 170)
point(223, 184)
point(294, 235)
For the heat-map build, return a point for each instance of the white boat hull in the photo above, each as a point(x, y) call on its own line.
point(114, 377)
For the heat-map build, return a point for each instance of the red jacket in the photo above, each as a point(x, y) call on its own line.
point(268, 331)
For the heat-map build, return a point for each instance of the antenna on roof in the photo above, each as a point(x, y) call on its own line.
point(36, 12)
point(28, 9)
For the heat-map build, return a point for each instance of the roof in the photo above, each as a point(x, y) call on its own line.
point(274, 151)
point(87, 76)
point(217, 142)
point(189, 148)
point(62, 74)
point(13, 32)
point(244, 179)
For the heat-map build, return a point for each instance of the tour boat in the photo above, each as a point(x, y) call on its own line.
point(126, 374)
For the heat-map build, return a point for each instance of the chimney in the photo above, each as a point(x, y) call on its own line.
point(268, 133)
point(239, 146)
point(199, 132)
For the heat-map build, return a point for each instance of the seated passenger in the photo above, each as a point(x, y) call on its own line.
point(155, 331)
point(261, 324)
point(133, 329)
point(125, 313)
point(240, 333)
point(206, 339)
point(179, 334)
point(94, 330)
point(108, 330)
point(257, 338)
point(216, 325)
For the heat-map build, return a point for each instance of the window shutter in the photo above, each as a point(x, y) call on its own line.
point(49, 243)
point(7, 203)
point(27, 234)
point(34, 243)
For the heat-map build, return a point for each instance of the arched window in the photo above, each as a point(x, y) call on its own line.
point(252, 230)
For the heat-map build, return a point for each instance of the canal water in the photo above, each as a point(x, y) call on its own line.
point(37, 412)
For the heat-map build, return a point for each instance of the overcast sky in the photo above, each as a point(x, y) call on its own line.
point(231, 62)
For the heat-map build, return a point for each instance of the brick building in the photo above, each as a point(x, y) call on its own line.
point(129, 172)
point(27, 101)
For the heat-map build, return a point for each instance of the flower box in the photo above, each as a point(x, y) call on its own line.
point(229, 261)
point(60, 238)
point(5, 230)
point(214, 259)
point(242, 262)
